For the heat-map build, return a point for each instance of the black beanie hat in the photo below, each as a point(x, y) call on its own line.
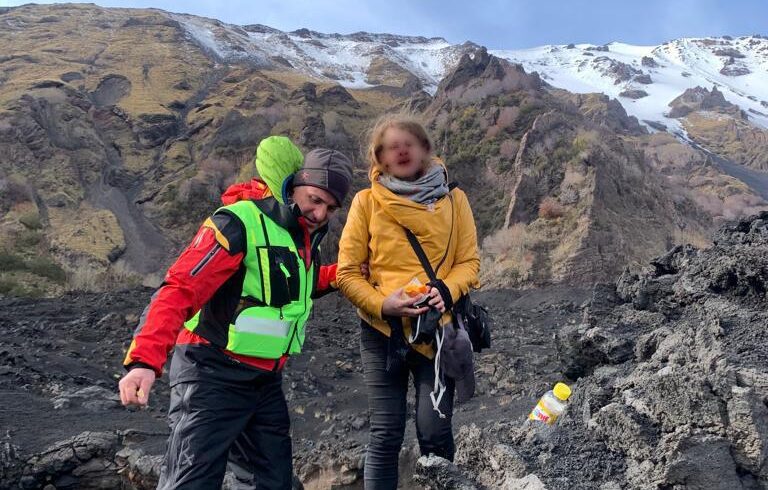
point(326, 169)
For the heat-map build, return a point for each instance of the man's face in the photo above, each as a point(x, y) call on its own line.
point(316, 205)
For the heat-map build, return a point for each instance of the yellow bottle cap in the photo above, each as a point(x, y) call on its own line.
point(562, 391)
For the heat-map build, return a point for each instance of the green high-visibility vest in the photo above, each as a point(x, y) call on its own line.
point(277, 288)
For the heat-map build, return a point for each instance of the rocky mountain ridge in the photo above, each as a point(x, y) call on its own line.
point(114, 150)
point(663, 72)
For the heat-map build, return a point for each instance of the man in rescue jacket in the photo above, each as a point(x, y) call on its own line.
point(234, 305)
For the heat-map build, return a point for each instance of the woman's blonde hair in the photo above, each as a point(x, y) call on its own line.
point(404, 122)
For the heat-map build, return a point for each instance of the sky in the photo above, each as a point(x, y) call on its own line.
point(496, 24)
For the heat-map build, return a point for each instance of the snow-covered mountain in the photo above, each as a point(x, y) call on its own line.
point(643, 78)
point(350, 60)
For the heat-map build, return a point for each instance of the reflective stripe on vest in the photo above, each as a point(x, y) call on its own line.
point(263, 331)
point(265, 326)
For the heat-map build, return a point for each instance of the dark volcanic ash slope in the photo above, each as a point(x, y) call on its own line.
point(61, 422)
point(669, 369)
point(673, 367)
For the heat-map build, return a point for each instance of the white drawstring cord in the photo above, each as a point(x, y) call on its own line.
point(439, 386)
point(415, 333)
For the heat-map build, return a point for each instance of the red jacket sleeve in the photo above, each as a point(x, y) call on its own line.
point(190, 282)
point(326, 281)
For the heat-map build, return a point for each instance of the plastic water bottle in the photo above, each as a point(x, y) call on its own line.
point(551, 405)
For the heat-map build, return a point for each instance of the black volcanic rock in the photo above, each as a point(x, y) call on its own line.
point(307, 93)
point(728, 52)
point(699, 98)
point(72, 76)
point(337, 96)
point(480, 74)
point(645, 79)
point(470, 67)
point(608, 112)
point(633, 94)
point(669, 369)
point(733, 69)
point(313, 132)
point(620, 72)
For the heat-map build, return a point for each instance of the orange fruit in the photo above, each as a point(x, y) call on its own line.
point(414, 290)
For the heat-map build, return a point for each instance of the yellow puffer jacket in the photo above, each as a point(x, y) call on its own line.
point(374, 234)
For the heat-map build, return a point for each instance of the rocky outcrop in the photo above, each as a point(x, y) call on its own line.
point(633, 94)
point(383, 71)
point(578, 201)
point(644, 79)
point(671, 380)
point(618, 71)
point(734, 68)
point(607, 112)
point(721, 127)
point(479, 75)
point(337, 96)
point(728, 52)
point(562, 218)
point(701, 99)
point(734, 138)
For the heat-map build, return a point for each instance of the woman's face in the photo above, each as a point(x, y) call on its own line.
point(402, 155)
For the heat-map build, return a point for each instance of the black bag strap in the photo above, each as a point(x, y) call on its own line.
point(416, 246)
point(421, 255)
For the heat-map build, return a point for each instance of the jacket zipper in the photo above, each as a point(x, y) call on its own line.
point(304, 299)
point(204, 261)
point(295, 325)
point(286, 276)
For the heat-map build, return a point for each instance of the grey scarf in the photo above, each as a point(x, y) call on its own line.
point(425, 190)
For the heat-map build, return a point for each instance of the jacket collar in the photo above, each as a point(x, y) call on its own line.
point(289, 217)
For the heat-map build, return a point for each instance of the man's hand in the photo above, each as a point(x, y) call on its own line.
point(397, 304)
point(135, 386)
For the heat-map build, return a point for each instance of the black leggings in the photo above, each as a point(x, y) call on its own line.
point(387, 393)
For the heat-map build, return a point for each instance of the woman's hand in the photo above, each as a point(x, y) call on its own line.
point(436, 300)
point(398, 304)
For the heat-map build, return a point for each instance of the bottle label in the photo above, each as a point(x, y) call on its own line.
point(541, 413)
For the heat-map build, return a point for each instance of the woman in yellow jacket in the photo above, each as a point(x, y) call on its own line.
point(409, 189)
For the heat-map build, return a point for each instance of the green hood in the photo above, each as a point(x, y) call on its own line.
point(277, 158)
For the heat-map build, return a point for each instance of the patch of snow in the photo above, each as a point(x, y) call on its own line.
point(681, 64)
point(582, 71)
